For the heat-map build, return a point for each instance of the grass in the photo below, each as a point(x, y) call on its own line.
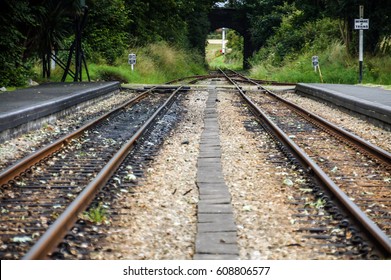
point(335, 64)
point(160, 62)
point(97, 215)
point(156, 63)
point(216, 60)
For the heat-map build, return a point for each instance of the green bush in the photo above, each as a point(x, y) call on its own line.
point(110, 73)
point(336, 67)
point(288, 58)
point(156, 63)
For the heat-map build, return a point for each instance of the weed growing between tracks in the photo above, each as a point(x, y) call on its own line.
point(97, 214)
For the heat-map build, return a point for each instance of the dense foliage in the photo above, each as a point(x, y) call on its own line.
point(287, 33)
point(31, 30)
point(266, 16)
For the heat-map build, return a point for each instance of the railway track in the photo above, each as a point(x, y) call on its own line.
point(44, 194)
point(49, 199)
point(355, 175)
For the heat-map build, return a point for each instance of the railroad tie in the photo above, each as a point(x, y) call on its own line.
point(216, 237)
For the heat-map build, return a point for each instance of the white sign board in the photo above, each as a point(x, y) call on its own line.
point(132, 59)
point(315, 61)
point(361, 23)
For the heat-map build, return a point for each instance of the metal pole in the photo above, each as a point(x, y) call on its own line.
point(361, 45)
point(223, 42)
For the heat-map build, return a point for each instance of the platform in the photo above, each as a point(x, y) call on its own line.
point(373, 103)
point(24, 106)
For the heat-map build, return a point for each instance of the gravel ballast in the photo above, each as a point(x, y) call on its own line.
point(161, 220)
point(355, 125)
point(266, 229)
point(16, 148)
point(159, 217)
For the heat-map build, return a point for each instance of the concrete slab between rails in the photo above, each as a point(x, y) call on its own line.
point(217, 169)
point(210, 154)
point(209, 175)
point(222, 192)
point(201, 257)
point(374, 104)
point(214, 218)
point(223, 243)
point(209, 161)
point(205, 208)
point(216, 237)
point(216, 199)
point(27, 109)
point(218, 227)
point(226, 200)
point(210, 140)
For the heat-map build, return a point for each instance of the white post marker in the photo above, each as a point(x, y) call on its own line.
point(361, 24)
point(132, 60)
point(315, 64)
point(223, 42)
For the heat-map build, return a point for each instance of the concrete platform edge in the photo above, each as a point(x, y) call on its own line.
point(361, 106)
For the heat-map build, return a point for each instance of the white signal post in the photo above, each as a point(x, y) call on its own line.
point(361, 24)
point(223, 42)
point(132, 60)
point(315, 64)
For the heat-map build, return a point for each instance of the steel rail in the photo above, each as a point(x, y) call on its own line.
point(370, 227)
point(195, 77)
point(269, 82)
point(26, 163)
point(368, 147)
point(56, 232)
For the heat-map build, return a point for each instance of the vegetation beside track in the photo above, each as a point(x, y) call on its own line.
point(336, 64)
point(156, 63)
point(233, 59)
point(299, 30)
point(285, 33)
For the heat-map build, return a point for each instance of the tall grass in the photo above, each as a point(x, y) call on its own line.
point(335, 64)
point(156, 63)
point(216, 60)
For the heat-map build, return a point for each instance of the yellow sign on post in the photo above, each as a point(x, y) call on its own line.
point(315, 64)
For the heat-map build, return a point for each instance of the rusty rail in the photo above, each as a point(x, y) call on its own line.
point(26, 163)
point(50, 239)
point(364, 145)
point(380, 238)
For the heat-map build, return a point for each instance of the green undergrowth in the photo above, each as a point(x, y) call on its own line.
point(216, 60)
point(287, 55)
point(159, 62)
point(336, 66)
point(156, 63)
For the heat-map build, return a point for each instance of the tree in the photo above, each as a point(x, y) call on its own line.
point(156, 20)
point(54, 23)
point(379, 13)
point(14, 15)
point(106, 35)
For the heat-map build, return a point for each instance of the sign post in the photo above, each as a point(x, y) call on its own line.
point(361, 24)
point(223, 41)
point(315, 64)
point(132, 60)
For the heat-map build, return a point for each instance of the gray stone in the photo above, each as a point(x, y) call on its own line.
point(217, 243)
point(218, 227)
point(214, 218)
point(215, 257)
point(215, 208)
